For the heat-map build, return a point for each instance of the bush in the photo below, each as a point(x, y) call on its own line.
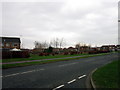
point(73, 53)
point(15, 54)
point(43, 54)
point(25, 54)
point(93, 52)
point(66, 53)
point(6, 54)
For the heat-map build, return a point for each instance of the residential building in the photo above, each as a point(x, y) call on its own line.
point(10, 42)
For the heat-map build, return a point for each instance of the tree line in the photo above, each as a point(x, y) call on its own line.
point(55, 43)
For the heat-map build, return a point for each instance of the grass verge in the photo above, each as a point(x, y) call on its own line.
point(5, 66)
point(37, 57)
point(107, 76)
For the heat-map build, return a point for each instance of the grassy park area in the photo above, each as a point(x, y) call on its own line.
point(107, 76)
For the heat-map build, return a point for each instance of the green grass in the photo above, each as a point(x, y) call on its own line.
point(107, 76)
point(43, 62)
point(32, 63)
point(37, 57)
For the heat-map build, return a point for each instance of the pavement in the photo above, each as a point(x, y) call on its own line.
point(57, 75)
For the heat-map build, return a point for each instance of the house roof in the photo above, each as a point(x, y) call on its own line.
point(108, 46)
point(10, 39)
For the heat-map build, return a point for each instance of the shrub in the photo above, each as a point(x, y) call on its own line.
point(15, 54)
point(43, 54)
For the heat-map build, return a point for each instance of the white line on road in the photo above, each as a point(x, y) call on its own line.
point(71, 81)
point(23, 72)
point(66, 64)
point(58, 87)
point(11, 75)
point(27, 72)
point(40, 69)
point(81, 76)
point(32, 71)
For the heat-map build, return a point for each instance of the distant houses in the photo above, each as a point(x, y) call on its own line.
point(78, 50)
point(11, 48)
point(118, 47)
point(110, 47)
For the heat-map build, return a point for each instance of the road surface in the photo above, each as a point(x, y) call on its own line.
point(64, 74)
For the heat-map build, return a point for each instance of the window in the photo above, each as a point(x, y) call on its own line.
point(2, 44)
point(7, 44)
point(15, 44)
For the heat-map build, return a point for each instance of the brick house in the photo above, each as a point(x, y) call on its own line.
point(57, 50)
point(71, 49)
point(108, 47)
point(10, 42)
point(118, 47)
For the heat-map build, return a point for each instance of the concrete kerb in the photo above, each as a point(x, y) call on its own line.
point(89, 81)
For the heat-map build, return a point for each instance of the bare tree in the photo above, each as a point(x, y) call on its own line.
point(57, 42)
point(45, 44)
point(61, 42)
point(54, 43)
point(50, 44)
point(41, 45)
point(36, 44)
point(78, 45)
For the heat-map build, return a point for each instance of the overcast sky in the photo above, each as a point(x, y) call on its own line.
point(92, 22)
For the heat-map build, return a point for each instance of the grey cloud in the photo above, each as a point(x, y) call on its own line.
point(40, 21)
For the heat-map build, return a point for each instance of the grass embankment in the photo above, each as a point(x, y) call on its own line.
point(48, 61)
point(34, 63)
point(37, 57)
point(107, 76)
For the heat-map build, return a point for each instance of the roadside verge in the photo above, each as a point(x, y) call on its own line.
point(106, 76)
point(33, 62)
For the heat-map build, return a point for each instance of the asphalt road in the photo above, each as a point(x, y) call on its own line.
point(64, 74)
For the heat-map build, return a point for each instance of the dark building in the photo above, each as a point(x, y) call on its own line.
point(10, 42)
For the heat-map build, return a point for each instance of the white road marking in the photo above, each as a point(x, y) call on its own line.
point(66, 64)
point(71, 81)
point(22, 72)
point(11, 75)
point(27, 72)
point(58, 87)
point(81, 76)
point(40, 69)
